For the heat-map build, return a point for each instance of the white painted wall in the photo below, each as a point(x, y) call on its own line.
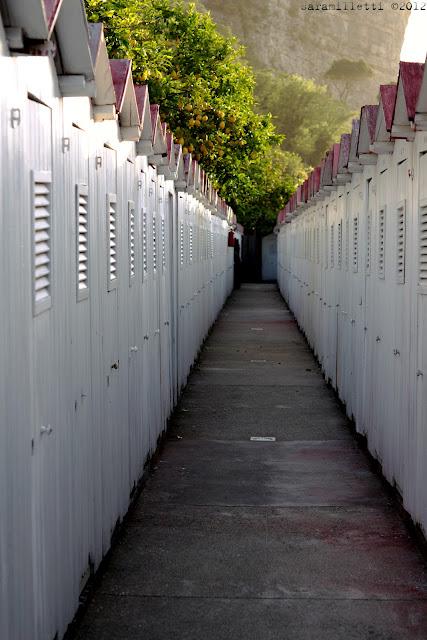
point(352, 266)
point(89, 377)
point(269, 257)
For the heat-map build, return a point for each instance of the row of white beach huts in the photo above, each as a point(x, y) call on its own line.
point(352, 264)
point(115, 259)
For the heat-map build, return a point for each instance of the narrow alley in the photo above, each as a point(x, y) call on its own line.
point(235, 538)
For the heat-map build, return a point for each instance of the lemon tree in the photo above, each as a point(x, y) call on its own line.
point(206, 95)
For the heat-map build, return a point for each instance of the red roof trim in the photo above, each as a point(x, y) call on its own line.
point(411, 74)
point(142, 99)
point(154, 114)
point(95, 30)
point(316, 180)
point(51, 8)
point(370, 114)
point(170, 143)
point(344, 152)
point(327, 169)
point(355, 128)
point(388, 93)
point(336, 151)
point(121, 72)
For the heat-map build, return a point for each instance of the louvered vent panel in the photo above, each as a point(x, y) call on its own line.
point(212, 244)
point(422, 253)
point(82, 229)
point(381, 243)
point(325, 246)
point(401, 243)
point(154, 231)
point(42, 237)
point(318, 244)
point(332, 246)
point(347, 244)
point(181, 243)
point(163, 244)
point(132, 239)
point(355, 244)
point(191, 243)
point(112, 239)
point(144, 242)
point(368, 243)
point(339, 245)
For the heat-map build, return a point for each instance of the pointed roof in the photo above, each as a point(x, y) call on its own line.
point(169, 169)
point(202, 183)
point(105, 94)
point(353, 159)
point(317, 173)
point(408, 89)
point(326, 180)
point(344, 154)
point(145, 144)
point(143, 102)
point(411, 77)
point(368, 123)
point(159, 155)
point(51, 8)
point(383, 142)
point(72, 34)
point(180, 178)
point(305, 195)
point(336, 155)
point(121, 73)
point(196, 175)
point(421, 108)
point(214, 198)
point(188, 169)
point(388, 93)
point(126, 104)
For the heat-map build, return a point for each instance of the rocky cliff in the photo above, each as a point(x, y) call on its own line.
point(280, 34)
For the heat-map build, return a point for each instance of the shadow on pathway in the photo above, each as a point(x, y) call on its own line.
point(231, 539)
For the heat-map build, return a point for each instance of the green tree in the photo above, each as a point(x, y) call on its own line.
point(206, 94)
point(344, 73)
point(304, 112)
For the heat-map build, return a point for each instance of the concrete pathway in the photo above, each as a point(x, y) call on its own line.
point(233, 539)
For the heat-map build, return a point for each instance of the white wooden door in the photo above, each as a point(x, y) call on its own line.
point(41, 228)
point(154, 308)
point(421, 327)
point(112, 262)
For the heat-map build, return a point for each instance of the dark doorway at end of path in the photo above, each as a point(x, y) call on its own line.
point(259, 258)
point(251, 257)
